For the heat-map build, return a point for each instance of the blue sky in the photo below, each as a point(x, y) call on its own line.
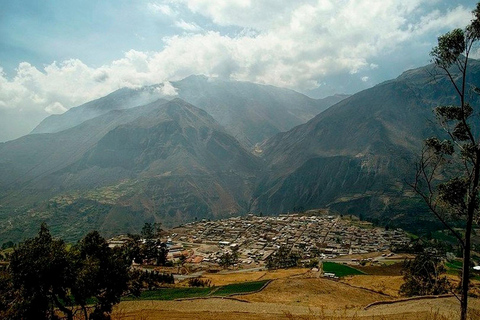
point(58, 54)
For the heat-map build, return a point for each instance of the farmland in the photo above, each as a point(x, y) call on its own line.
point(292, 294)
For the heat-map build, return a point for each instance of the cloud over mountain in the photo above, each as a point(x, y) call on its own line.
point(294, 44)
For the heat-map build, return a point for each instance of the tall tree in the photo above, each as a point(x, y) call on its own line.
point(101, 273)
point(41, 274)
point(448, 172)
point(44, 279)
point(425, 275)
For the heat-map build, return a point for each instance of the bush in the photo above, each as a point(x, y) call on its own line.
point(198, 282)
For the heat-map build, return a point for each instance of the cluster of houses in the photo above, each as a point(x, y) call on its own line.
point(256, 237)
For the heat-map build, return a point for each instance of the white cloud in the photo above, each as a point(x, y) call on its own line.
point(365, 79)
point(162, 8)
point(190, 27)
point(55, 108)
point(166, 89)
point(293, 44)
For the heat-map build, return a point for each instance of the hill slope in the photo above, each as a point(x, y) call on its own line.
point(248, 111)
point(168, 162)
point(251, 112)
point(358, 155)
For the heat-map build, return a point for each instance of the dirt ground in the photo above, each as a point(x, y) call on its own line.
point(295, 294)
point(389, 285)
point(216, 309)
point(224, 279)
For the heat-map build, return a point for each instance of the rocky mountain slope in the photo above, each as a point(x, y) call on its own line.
point(251, 112)
point(357, 156)
point(166, 161)
point(248, 111)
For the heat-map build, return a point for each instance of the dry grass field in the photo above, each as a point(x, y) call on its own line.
point(218, 279)
point(389, 285)
point(297, 294)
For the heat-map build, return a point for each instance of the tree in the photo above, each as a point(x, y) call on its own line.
point(100, 273)
point(226, 260)
point(447, 176)
point(282, 258)
point(41, 274)
point(425, 275)
point(151, 230)
point(44, 279)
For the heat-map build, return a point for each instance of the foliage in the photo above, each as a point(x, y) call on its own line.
point(100, 273)
point(424, 275)
point(140, 280)
point(150, 249)
point(312, 263)
point(45, 279)
point(282, 258)
point(198, 282)
point(448, 173)
point(41, 274)
point(179, 293)
point(228, 259)
point(151, 230)
point(8, 244)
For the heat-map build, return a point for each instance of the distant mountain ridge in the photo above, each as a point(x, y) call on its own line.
point(124, 98)
point(250, 112)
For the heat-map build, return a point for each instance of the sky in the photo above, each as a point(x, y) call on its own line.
point(57, 54)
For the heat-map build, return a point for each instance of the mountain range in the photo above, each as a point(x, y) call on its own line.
point(218, 148)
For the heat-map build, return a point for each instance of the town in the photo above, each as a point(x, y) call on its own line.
point(314, 234)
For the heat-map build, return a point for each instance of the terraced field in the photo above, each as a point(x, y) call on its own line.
point(295, 294)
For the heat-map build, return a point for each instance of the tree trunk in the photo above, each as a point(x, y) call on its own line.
point(465, 272)
point(472, 198)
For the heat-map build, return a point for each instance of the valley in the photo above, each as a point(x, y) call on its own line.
point(113, 164)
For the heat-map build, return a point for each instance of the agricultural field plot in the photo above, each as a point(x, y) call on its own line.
point(292, 294)
point(340, 270)
point(185, 293)
point(389, 285)
point(221, 279)
point(315, 292)
point(394, 269)
point(295, 298)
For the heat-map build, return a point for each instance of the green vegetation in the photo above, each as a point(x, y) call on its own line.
point(412, 236)
point(179, 293)
point(45, 276)
point(237, 288)
point(171, 294)
point(456, 265)
point(340, 270)
point(441, 235)
point(425, 275)
point(199, 282)
point(283, 258)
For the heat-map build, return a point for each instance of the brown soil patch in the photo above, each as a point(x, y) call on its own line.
point(391, 270)
point(219, 279)
point(216, 309)
point(389, 285)
point(298, 296)
point(316, 292)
